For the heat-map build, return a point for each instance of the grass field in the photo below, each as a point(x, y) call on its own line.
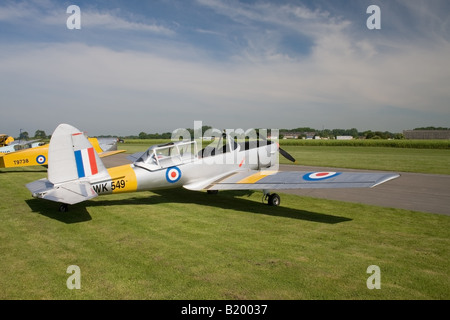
point(189, 245)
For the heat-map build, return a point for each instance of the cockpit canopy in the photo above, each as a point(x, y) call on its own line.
point(180, 152)
point(168, 155)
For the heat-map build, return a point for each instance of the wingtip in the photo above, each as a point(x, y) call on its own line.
point(386, 178)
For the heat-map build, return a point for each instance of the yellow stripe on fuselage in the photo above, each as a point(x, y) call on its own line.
point(257, 176)
point(123, 179)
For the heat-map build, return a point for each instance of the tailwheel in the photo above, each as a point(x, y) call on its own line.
point(64, 207)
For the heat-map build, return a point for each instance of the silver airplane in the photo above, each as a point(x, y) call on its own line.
point(76, 173)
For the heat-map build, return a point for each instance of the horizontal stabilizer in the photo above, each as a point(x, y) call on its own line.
point(69, 192)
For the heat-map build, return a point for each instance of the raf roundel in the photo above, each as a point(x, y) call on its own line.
point(173, 174)
point(317, 176)
point(40, 159)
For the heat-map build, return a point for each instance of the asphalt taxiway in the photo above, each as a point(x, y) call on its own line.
point(411, 191)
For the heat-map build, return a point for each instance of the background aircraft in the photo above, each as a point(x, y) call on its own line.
point(5, 140)
point(76, 173)
point(14, 146)
point(35, 154)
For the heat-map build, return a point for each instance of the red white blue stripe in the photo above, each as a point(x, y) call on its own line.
point(86, 163)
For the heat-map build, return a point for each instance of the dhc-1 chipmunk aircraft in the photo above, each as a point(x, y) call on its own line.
point(76, 173)
point(36, 153)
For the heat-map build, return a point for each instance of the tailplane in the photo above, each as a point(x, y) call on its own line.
point(72, 163)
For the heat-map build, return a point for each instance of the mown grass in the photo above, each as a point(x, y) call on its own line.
point(178, 244)
point(436, 161)
point(415, 144)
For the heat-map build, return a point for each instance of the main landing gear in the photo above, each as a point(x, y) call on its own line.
point(272, 199)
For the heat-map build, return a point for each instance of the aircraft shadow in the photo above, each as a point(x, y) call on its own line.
point(76, 214)
point(223, 200)
point(15, 170)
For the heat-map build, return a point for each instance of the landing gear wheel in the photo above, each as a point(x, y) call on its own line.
point(64, 207)
point(274, 200)
point(212, 191)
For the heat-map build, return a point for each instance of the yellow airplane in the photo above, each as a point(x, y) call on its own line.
point(38, 156)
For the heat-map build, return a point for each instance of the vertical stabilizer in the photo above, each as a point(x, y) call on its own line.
point(71, 156)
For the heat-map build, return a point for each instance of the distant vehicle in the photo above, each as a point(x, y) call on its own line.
point(76, 173)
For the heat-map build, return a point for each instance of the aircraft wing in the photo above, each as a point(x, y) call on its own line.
point(272, 180)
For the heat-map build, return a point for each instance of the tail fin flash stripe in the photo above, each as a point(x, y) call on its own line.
point(80, 167)
point(92, 161)
point(86, 163)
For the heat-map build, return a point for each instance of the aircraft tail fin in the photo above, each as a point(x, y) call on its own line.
point(72, 165)
point(71, 156)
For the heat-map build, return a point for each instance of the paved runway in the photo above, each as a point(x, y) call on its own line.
point(411, 191)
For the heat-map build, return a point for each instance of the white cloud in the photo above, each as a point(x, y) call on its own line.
point(39, 13)
point(349, 77)
point(110, 21)
point(141, 90)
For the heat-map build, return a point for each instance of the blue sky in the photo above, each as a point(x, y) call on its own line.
point(155, 66)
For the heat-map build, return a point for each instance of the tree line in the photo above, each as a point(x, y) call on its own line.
point(303, 132)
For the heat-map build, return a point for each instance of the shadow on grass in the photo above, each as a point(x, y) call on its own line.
point(77, 213)
point(229, 200)
point(23, 170)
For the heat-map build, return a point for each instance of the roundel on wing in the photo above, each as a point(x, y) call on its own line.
point(40, 159)
point(317, 176)
point(173, 174)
